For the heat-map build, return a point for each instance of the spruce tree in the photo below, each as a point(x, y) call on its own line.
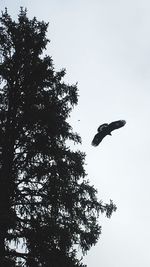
point(46, 201)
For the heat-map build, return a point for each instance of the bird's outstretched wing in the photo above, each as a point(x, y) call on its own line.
point(116, 125)
point(98, 138)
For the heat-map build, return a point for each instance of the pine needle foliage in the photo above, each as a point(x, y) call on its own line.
point(46, 201)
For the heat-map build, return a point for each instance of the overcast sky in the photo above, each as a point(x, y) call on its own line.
point(105, 47)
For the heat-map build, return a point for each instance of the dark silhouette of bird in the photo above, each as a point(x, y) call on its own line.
point(106, 129)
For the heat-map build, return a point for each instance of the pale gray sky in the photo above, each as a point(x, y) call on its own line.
point(105, 47)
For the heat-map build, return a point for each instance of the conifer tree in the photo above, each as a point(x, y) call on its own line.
point(46, 201)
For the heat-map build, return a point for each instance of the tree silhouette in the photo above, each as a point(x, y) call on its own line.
point(46, 201)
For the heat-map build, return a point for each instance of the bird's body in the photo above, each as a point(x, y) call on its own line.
point(106, 129)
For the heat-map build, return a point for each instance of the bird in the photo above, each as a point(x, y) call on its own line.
point(106, 129)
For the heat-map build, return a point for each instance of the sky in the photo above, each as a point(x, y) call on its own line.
point(105, 47)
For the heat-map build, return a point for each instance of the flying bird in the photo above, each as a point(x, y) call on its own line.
point(106, 129)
